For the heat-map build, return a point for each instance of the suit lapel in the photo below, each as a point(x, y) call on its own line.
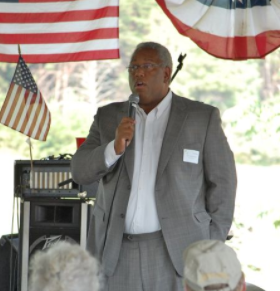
point(129, 159)
point(175, 124)
point(177, 117)
point(129, 154)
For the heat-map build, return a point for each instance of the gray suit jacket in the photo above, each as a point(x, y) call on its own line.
point(194, 200)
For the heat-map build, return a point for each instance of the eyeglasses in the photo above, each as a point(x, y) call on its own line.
point(145, 67)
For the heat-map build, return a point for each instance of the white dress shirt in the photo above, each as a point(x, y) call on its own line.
point(141, 215)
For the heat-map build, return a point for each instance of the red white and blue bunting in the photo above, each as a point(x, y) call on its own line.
point(228, 29)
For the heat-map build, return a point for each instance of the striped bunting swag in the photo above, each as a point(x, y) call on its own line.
point(228, 29)
point(51, 31)
point(24, 108)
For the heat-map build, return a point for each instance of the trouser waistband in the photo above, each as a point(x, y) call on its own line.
point(142, 236)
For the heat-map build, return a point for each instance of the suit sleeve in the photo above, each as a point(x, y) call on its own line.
point(221, 179)
point(88, 163)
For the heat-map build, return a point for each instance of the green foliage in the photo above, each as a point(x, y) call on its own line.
point(6, 75)
point(254, 268)
point(271, 213)
point(277, 223)
point(253, 128)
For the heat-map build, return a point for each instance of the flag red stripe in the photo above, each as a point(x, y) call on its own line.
point(42, 122)
point(36, 115)
point(27, 116)
point(45, 38)
point(43, 1)
point(68, 57)
point(27, 112)
point(4, 107)
point(236, 48)
point(54, 17)
point(12, 108)
point(19, 114)
point(47, 128)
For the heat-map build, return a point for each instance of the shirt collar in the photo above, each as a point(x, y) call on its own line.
point(164, 104)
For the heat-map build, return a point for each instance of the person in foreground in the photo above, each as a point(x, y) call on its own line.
point(167, 179)
point(212, 265)
point(64, 267)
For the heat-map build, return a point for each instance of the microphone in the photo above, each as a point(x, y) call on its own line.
point(133, 101)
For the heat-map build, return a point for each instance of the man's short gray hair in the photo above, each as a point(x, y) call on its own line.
point(163, 52)
point(64, 267)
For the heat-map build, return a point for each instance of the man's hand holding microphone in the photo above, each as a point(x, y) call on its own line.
point(125, 130)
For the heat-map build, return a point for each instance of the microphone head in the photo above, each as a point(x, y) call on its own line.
point(134, 98)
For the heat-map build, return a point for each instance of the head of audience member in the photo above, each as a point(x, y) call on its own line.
point(64, 267)
point(211, 265)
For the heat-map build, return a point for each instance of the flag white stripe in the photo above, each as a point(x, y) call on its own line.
point(44, 129)
point(57, 48)
point(15, 111)
point(8, 108)
point(32, 115)
point(56, 6)
point(40, 116)
point(227, 22)
point(59, 27)
point(26, 107)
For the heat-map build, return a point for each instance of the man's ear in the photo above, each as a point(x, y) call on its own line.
point(167, 75)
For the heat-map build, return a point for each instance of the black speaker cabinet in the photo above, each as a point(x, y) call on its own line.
point(8, 262)
point(47, 221)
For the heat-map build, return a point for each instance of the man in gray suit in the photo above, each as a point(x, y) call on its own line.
point(167, 179)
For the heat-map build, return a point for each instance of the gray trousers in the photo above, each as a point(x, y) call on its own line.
point(144, 265)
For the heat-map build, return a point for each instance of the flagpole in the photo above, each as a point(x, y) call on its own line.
point(23, 84)
point(31, 160)
point(19, 50)
point(30, 151)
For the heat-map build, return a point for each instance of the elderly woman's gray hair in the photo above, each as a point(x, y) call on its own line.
point(64, 267)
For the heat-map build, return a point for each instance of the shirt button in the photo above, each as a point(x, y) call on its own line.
point(122, 215)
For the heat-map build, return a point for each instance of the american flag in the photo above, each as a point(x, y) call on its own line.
point(228, 29)
point(24, 108)
point(51, 31)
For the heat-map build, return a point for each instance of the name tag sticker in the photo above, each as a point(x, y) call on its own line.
point(191, 156)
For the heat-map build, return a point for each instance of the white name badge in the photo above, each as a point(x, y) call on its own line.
point(191, 156)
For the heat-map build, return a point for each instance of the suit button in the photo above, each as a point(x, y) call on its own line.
point(128, 187)
point(122, 215)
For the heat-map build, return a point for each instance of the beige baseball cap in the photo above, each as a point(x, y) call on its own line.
point(210, 262)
